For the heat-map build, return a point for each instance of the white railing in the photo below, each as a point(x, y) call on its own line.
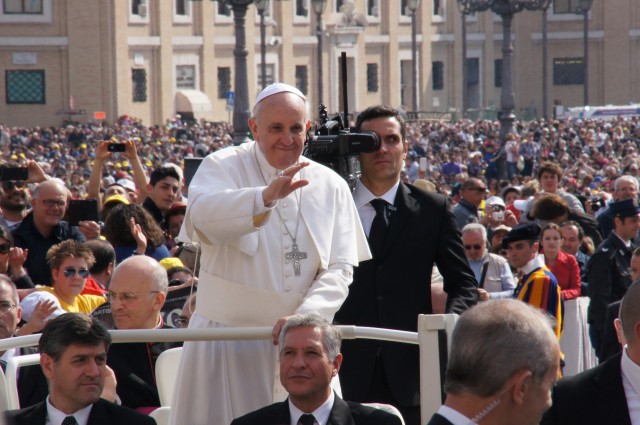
point(427, 338)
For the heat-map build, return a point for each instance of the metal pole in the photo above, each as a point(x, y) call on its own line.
point(263, 51)
point(545, 93)
point(241, 106)
point(507, 97)
point(465, 77)
point(319, 53)
point(414, 59)
point(586, 58)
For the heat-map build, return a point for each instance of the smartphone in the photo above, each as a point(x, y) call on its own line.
point(83, 210)
point(423, 164)
point(190, 167)
point(498, 216)
point(116, 147)
point(14, 173)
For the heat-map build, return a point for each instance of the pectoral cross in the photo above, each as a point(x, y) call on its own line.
point(295, 255)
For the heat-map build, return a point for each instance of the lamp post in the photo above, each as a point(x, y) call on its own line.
point(262, 6)
point(319, 7)
point(413, 7)
point(241, 86)
point(583, 8)
point(506, 9)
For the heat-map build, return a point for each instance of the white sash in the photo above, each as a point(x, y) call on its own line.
point(233, 304)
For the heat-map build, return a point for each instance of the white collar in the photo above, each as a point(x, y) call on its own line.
point(362, 195)
point(630, 370)
point(57, 416)
point(536, 263)
point(453, 416)
point(321, 414)
point(626, 243)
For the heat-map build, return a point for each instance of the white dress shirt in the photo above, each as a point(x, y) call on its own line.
point(55, 416)
point(363, 197)
point(321, 414)
point(631, 384)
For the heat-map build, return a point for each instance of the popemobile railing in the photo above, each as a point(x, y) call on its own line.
point(433, 338)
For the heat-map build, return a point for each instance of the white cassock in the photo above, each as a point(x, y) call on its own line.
point(246, 280)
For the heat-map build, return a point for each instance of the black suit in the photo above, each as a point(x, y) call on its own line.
point(342, 413)
point(593, 397)
point(392, 290)
point(438, 420)
point(102, 413)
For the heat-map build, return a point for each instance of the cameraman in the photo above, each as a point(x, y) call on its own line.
point(625, 187)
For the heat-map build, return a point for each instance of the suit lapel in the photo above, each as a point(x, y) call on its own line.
point(98, 415)
point(340, 413)
point(283, 415)
point(404, 206)
point(614, 401)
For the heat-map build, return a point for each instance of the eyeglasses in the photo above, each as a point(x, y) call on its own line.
point(479, 189)
point(470, 247)
point(125, 297)
point(9, 185)
point(4, 248)
point(70, 272)
point(6, 306)
point(50, 203)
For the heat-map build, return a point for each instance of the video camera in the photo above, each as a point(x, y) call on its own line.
point(334, 145)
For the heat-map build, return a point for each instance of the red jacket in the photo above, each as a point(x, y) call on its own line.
point(567, 272)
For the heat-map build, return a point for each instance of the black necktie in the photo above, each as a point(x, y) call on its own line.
point(69, 420)
point(378, 227)
point(307, 419)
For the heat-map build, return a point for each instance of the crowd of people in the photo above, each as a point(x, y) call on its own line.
point(442, 217)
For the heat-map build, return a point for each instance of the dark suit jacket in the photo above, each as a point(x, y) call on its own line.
point(391, 291)
point(593, 397)
point(102, 413)
point(438, 420)
point(342, 413)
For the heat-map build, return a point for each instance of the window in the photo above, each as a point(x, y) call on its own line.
point(373, 8)
point(22, 7)
point(269, 73)
point(437, 75)
point(302, 8)
point(224, 9)
point(25, 87)
point(437, 8)
point(567, 71)
point(302, 78)
point(565, 6)
point(339, 4)
point(181, 7)
point(473, 71)
point(372, 77)
point(497, 73)
point(404, 8)
point(186, 76)
point(224, 81)
point(139, 79)
point(139, 7)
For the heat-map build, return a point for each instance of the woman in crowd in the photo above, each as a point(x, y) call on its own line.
point(563, 266)
point(133, 231)
point(11, 260)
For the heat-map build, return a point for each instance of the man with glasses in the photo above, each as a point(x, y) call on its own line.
point(137, 293)
point(492, 271)
point(43, 227)
point(14, 197)
point(472, 194)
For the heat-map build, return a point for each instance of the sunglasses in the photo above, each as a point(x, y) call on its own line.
point(4, 248)
point(70, 272)
point(470, 247)
point(479, 189)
